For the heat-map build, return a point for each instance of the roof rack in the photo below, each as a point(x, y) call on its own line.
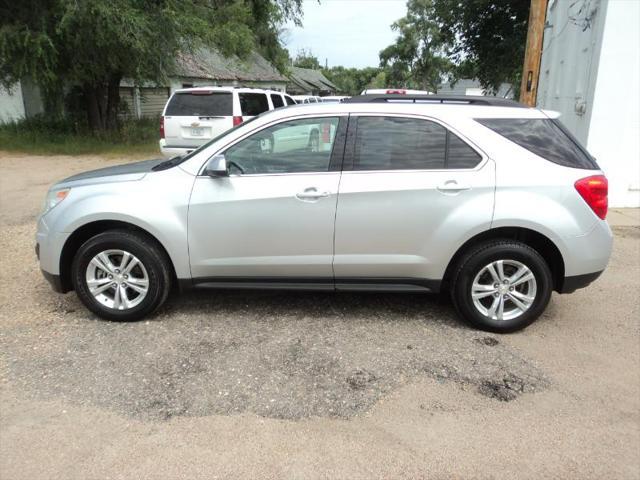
point(443, 99)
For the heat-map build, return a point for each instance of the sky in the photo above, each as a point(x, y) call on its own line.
point(350, 33)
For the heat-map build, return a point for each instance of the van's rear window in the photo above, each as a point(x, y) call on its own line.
point(253, 103)
point(214, 104)
point(546, 138)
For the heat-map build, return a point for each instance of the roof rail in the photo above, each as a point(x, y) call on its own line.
point(444, 99)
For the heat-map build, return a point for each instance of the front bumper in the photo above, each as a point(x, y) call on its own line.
point(48, 249)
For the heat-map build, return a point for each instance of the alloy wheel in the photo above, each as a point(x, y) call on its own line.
point(504, 290)
point(117, 279)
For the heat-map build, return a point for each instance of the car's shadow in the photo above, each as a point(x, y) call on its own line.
point(277, 354)
point(403, 306)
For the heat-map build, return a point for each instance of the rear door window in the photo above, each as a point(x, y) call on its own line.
point(546, 138)
point(276, 100)
point(200, 104)
point(394, 143)
point(253, 104)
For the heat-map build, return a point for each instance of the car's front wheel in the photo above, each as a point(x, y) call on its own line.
point(121, 275)
point(501, 286)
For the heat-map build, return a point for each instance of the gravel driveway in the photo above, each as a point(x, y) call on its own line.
point(307, 385)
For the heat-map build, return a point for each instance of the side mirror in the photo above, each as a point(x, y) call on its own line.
point(217, 167)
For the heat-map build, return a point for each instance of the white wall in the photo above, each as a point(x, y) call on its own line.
point(11, 104)
point(614, 131)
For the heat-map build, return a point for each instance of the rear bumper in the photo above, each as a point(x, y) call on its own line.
point(55, 281)
point(171, 151)
point(571, 284)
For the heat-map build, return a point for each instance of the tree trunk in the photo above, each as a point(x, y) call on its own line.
point(113, 101)
point(102, 102)
point(94, 117)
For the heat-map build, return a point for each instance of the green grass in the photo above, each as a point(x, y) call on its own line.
point(65, 137)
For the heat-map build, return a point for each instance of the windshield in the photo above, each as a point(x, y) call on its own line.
point(200, 104)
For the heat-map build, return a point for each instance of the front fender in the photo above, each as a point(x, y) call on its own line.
point(157, 204)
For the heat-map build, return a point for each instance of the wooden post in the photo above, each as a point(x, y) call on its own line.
point(533, 53)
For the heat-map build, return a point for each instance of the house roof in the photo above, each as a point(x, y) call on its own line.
point(310, 79)
point(211, 65)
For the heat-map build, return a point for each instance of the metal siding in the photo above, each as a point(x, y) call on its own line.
point(152, 100)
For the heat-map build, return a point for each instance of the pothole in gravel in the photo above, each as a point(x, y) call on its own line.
point(279, 355)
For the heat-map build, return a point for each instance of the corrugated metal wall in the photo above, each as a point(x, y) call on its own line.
point(152, 101)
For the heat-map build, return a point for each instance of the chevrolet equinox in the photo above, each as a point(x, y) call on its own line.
point(495, 203)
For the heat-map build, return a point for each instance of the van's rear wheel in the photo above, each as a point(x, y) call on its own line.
point(121, 275)
point(501, 286)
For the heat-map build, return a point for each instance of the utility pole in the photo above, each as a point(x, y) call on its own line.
point(533, 53)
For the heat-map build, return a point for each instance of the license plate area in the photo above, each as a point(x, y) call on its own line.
point(197, 132)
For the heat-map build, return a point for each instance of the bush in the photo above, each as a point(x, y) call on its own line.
point(44, 135)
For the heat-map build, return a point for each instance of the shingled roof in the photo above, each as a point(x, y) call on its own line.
point(309, 79)
point(211, 65)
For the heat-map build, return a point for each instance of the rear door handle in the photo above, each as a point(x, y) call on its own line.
point(311, 193)
point(452, 186)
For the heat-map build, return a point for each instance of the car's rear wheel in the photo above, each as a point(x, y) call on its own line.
point(121, 275)
point(501, 286)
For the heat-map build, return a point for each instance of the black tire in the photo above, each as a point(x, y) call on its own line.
point(146, 250)
point(480, 256)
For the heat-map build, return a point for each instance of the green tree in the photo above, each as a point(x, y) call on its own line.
point(485, 38)
point(417, 59)
point(351, 81)
point(267, 19)
point(96, 43)
point(306, 59)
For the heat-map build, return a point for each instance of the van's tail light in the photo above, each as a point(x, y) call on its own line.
point(595, 190)
point(237, 121)
point(162, 127)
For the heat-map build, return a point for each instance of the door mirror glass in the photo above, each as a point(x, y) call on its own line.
point(217, 167)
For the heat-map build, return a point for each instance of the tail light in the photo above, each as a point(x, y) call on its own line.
point(594, 190)
point(237, 121)
point(162, 127)
point(326, 132)
point(400, 92)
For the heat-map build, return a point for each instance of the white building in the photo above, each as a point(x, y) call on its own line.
point(590, 72)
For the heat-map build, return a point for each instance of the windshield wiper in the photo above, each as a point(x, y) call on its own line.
point(172, 162)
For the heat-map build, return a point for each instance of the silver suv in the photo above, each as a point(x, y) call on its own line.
point(493, 202)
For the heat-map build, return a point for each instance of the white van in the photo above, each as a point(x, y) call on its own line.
point(307, 99)
point(193, 116)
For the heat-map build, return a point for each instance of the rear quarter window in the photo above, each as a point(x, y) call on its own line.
point(207, 104)
point(546, 138)
point(253, 104)
point(277, 100)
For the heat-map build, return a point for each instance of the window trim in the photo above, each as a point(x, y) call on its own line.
point(351, 137)
point(335, 164)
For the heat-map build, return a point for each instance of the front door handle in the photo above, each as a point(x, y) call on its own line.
point(311, 193)
point(452, 186)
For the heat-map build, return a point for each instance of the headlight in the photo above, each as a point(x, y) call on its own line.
point(54, 197)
